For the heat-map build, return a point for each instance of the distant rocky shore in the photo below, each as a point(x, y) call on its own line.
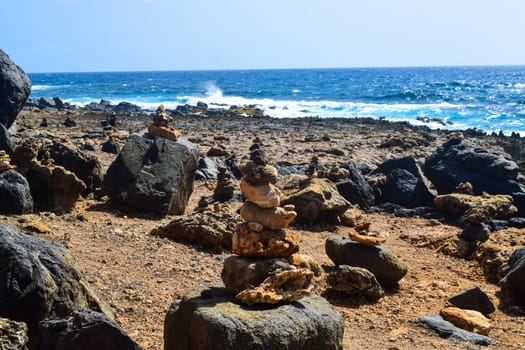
point(131, 110)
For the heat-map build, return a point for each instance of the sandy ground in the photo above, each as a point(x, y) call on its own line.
point(139, 275)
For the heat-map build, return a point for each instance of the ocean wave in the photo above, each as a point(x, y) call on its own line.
point(47, 87)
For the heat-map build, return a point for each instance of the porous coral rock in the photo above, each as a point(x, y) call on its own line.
point(265, 243)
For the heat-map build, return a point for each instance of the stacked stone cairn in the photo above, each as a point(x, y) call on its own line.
point(5, 161)
point(265, 268)
point(224, 190)
point(161, 125)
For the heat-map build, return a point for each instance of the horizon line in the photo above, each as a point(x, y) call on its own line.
point(269, 69)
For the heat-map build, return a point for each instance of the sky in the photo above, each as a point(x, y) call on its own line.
point(144, 35)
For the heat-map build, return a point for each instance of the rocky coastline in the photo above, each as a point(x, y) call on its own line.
point(414, 237)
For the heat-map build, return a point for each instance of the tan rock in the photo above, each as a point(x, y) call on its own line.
point(265, 196)
point(365, 239)
point(476, 209)
point(164, 131)
point(37, 227)
point(274, 244)
point(470, 320)
point(289, 286)
point(306, 261)
point(255, 226)
point(351, 217)
point(271, 218)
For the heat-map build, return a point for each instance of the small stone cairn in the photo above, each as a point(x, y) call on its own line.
point(5, 161)
point(161, 127)
point(224, 190)
point(265, 268)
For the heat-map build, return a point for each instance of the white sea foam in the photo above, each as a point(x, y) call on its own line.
point(519, 85)
point(47, 87)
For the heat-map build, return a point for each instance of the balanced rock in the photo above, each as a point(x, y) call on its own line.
point(470, 320)
point(265, 243)
point(53, 188)
point(110, 146)
point(153, 175)
point(15, 87)
point(378, 260)
point(474, 299)
point(264, 196)
point(257, 174)
point(355, 281)
point(283, 286)
point(208, 319)
point(476, 209)
point(239, 273)
point(15, 195)
point(41, 280)
point(83, 330)
point(314, 199)
point(366, 239)
point(271, 218)
point(224, 190)
point(13, 335)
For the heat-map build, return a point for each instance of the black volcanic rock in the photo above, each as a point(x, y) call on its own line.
point(15, 87)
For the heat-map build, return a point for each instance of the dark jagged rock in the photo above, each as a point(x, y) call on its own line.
point(153, 175)
point(15, 195)
point(405, 183)
point(15, 87)
point(447, 330)
point(40, 281)
point(6, 142)
point(84, 330)
point(110, 146)
point(473, 299)
point(475, 232)
point(513, 282)
point(208, 319)
point(457, 162)
point(86, 167)
point(208, 168)
point(285, 169)
point(380, 261)
point(356, 190)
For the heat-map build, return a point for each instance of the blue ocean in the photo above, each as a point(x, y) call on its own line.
point(486, 98)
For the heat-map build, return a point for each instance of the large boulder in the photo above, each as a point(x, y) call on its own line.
point(153, 175)
point(15, 196)
point(40, 280)
point(15, 87)
point(379, 260)
point(314, 199)
point(53, 188)
point(474, 299)
point(84, 330)
point(213, 319)
point(405, 183)
point(86, 167)
point(513, 283)
point(13, 335)
point(456, 161)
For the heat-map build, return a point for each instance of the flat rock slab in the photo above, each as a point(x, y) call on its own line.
point(447, 330)
point(213, 319)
